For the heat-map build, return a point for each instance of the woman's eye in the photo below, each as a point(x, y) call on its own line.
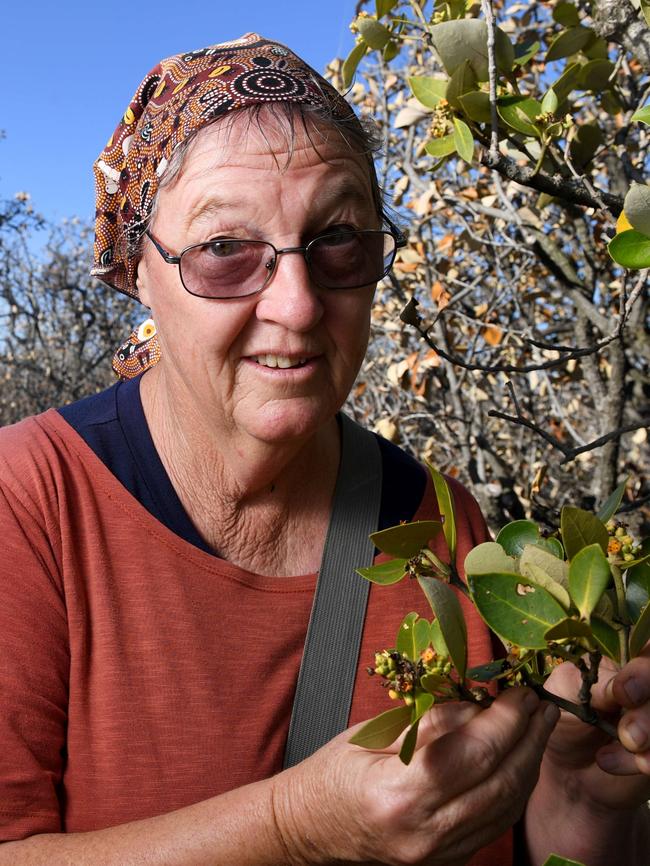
point(223, 249)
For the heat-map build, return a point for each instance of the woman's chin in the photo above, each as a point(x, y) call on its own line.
point(284, 421)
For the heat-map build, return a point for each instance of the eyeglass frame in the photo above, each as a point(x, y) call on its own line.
point(398, 236)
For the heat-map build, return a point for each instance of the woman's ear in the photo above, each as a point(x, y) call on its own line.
point(142, 283)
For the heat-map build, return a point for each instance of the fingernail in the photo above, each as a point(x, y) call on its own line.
point(531, 702)
point(608, 761)
point(635, 690)
point(636, 733)
point(551, 714)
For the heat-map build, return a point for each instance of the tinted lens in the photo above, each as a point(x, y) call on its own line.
point(348, 260)
point(227, 268)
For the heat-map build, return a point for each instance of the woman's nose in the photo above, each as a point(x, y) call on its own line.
point(291, 298)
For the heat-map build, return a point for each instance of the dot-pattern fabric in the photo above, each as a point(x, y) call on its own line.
point(178, 97)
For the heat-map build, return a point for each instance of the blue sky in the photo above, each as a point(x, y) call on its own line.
point(70, 69)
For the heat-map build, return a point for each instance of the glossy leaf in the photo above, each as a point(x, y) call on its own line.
point(584, 144)
point(640, 633)
point(551, 545)
point(645, 10)
point(589, 576)
point(385, 573)
point(407, 539)
point(413, 636)
point(580, 529)
point(383, 730)
point(519, 112)
point(596, 48)
point(446, 508)
point(423, 703)
point(568, 42)
point(434, 683)
point(487, 672)
point(391, 50)
point(631, 250)
point(606, 637)
point(383, 7)
point(441, 146)
point(556, 860)
point(449, 614)
point(488, 557)
point(428, 91)
point(517, 610)
point(568, 81)
point(539, 576)
point(595, 75)
point(637, 207)
point(637, 585)
point(610, 103)
point(461, 82)
point(550, 101)
point(566, 14)
point(437, 640)
point(351, 63)
point(526, 52)
point(568, 629)
point(466, 39)
point(540, 556)
point(463, 139)
point(642, 115)
point(409, 743)
point(516, 535)
point(476, 106)
point(374, 33)
point(610, 506)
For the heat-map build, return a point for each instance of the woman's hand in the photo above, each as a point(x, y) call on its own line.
point(468, 781)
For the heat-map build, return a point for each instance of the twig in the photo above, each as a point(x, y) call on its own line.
point(486, 5)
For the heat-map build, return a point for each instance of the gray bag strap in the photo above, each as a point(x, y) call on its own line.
point(328, 669)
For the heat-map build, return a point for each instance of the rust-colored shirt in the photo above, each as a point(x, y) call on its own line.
point(139, 674)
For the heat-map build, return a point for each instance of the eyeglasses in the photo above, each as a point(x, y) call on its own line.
point(227, 268)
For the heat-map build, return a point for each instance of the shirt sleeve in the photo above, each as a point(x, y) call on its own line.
point(34, 663)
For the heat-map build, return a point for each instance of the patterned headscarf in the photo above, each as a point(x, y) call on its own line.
point(178, 97)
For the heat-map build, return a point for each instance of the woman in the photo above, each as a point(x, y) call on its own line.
point(162, 539)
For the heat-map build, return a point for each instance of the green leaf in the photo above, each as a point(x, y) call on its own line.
point(642, 115)
point(556, 860)
point(568, 81)
point(539, 576)
point(437, 640)
point(476, 106)
point(463, 139)
point(383, 7)
point(434, 683)
point(589, 576)
point(374, 34)
point(640, 633)
point(535, 554)
point(449, 615)
point(519, 112)
point(637, 585)
point(423, 703)
point(631, 249)
point(463, 80)
point(645, 9)
point(413, 636)
point(637, 207)
point(566, 14)
point(391, 50)
point(446, 508)
point(610, 506)
point(383, 730)
point(516, 535)
point(408, 746)
point(385, 573)
point(568, 42)
point(595, 75)
point(610, 103)
point(517, 610)
point(487, 672)
point(585, 143)
point(441, 146)
point(525, 52)
point(568, 629)
point(428, 91)
point(596, 49)
point(407, 539)
point(353, 59)
point(580, 529)
point(551, 545)
point(550, 102)
point(488, 557)
point(606, 637)
point(466, 39)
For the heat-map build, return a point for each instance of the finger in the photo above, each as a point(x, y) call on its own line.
point(484, 812)
point(630, 687)
point(617, 761)
point(465, 757)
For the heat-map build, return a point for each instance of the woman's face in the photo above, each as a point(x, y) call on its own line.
point(279, 364)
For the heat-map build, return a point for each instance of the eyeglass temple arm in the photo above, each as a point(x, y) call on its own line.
point(398, 234)
point(171, 260)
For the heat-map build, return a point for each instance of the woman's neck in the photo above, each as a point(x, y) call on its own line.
point(263, 506)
